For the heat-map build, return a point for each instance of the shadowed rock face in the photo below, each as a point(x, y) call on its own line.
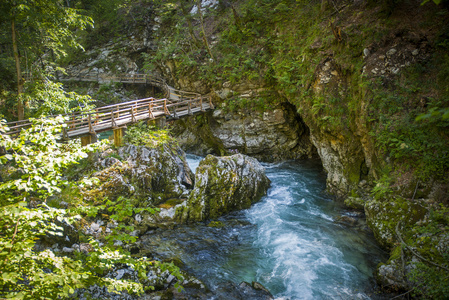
point(222, 185)
point(273, 135)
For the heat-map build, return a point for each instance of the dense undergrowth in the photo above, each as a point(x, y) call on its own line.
point(37, 222)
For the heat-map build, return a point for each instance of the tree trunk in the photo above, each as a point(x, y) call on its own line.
point(323, 5)
point(20, 107)
point(198, 3)
point(186, 13)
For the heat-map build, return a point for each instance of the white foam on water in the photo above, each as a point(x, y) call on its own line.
point(193, 161)
point(293, 232)
point(292, 246)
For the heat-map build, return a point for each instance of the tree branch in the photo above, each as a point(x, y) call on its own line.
point(415, 253)
point(14, 235)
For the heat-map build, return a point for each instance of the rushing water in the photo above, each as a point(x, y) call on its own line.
point(289, 242)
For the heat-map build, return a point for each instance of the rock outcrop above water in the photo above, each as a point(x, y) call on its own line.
point(222, 185)
point(149, 175)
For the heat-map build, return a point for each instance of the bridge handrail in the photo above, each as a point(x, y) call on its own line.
point(134, 78)
point(129, 112)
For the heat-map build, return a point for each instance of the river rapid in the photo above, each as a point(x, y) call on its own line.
point(291, 242)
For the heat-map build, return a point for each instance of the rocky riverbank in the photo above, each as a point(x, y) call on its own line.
point(158, 188)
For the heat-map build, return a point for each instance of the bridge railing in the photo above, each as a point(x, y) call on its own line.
point(171, 93)
point(124, 78)
point(120, 114)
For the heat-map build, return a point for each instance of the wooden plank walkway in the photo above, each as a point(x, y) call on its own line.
point(119, 115)
point(170, 92)
point(176, 104)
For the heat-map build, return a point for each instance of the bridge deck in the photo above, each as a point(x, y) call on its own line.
point(119, 115)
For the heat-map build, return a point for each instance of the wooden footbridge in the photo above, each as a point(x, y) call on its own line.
point(148, 79)
point(86, 124)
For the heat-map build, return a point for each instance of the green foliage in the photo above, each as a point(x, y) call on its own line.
point(43, 30)
point(430, 239)
point(45, 24)
point(49, 98)
point(142, 134)
point(34, 166)
point(122, 209)
point(415, 139)
point(30, 274)
point(383, 189)
point(36, 161)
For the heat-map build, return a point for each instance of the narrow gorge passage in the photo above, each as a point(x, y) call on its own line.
point(289, 242)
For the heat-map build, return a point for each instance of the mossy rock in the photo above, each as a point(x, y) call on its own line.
point(222, 185)
point(151, 176)
point(216, 224)
point(355, 202)
point(383, 217)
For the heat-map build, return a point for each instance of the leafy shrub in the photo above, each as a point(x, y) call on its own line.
point(35, 163)
point(142, 134)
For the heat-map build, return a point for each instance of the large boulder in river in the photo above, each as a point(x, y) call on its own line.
point(151, 175)
point(222, 185)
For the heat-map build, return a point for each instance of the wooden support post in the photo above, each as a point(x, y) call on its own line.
point(166, 111)
point(97, 116)
point(73, 121)
point(118, 136)
point(160, 122)
point(175, 115)
point(91, 129)
point(88, 139)
point(201, 103)
point(210, 103)
point(65, 135)
point(150, 109)
point(133, 117)
point(113, 123)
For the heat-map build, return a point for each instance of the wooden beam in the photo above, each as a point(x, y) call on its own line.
point(88, 139)
point(118, 136)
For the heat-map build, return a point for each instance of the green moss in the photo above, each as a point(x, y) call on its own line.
point(355, 202)
point(396, 253)
point(170, 203)
point(219, 189)
point(384, 216)
point(216, 224)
